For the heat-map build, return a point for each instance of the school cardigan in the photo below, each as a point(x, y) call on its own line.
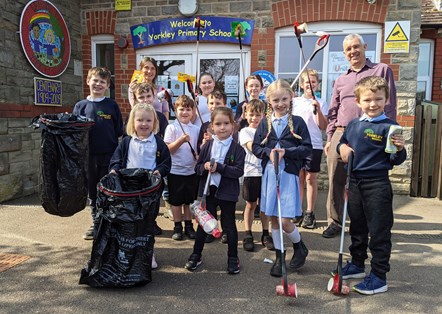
point(295, 150)
point(231, 170)
point(163, 160)
point(368, 140)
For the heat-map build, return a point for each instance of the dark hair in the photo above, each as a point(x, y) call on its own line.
point(218, 94)
point(184, 101)
point(254, 77)
point(222, 110)
point(154, 62)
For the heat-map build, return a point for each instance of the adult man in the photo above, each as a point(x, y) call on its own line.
point(342, 110)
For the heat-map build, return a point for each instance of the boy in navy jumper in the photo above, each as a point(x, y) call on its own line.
point(370, 194)
point(103, 136)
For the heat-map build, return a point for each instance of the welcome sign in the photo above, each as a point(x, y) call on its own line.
point(217, 29)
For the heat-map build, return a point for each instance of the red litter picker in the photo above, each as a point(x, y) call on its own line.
point(336, 284)
point(284, 289)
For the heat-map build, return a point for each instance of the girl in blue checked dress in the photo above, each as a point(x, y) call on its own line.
point(289, 136)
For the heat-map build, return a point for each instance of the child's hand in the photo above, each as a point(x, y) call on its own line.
point(113, 171)
point(207, 166)
point(243, 115)
point(315, 104)
point(398, 141)
point(185, 138)
point(345, 151)
point(281, 153)
point(157, 173)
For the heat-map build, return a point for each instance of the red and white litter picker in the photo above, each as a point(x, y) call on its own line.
point(336, 284)
point(285, 289)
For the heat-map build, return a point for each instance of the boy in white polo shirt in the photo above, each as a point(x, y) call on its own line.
point(182, 179)
point(311, 109)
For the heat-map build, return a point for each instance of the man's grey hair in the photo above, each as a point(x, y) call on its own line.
point(351, 37)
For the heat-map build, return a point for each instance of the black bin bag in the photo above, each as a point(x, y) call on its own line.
point(63, 162)
point(123, 245)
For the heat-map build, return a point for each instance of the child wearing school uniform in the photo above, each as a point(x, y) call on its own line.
point(289, 137)
point(103, 136)
point(312, 110)
point(251, 190)
point(181, 137)
point(142, 148)
point(370, 196)
point(224, 185)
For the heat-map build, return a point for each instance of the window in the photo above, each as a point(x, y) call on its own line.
point(425, 69)
point(103, 55)
point(329, 62)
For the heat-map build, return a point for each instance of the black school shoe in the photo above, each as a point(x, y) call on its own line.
point(224, 238)
point(189, 232)
point(177, 233)
point(332, 231)
point(193, 262)
point(233, 265)
point(267, 241)
point(247, 243)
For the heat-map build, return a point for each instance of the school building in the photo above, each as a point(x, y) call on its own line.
point(47, 47)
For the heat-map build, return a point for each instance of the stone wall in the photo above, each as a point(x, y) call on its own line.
point(19, 158)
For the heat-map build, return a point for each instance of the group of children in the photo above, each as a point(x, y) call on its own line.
point(288, 126)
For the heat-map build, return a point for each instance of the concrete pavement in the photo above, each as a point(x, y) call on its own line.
point(48, 281)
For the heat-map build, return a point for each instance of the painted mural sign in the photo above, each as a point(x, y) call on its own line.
point(45, 38)
point(47, 92)
point(216, 29)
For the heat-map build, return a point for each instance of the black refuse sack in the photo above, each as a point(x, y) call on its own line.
point(63, 162)
point(123, 245)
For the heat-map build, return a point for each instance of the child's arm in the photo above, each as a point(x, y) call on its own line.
point(163, 161)
point(321, 120)
point(343, 148)
point(203, 158)
point(116, 162)
point(261, 151)
point(304, 149)
point(173, 147)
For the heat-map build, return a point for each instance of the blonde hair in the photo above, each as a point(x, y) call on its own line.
point(285, 86)
point(222, 110)
point(130, 127)
point(102, 72)
point(307, 73)
point(373, 83)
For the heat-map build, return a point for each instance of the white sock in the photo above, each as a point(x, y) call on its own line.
point(294, 236)
point(276, 239)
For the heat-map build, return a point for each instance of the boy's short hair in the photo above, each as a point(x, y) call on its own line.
point(143, 88)
point(373, 83)
point(130, 127)
point(102, 72)
point(307, 73)
point(184, 101)
point(216, 93)
point(255, 106)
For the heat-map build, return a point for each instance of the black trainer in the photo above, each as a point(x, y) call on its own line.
point(177, 233)
point(309, 221)
point(332, 231)
point(247, 243)
point(193, 262)
point(209, 238)
point(233, 265)
point(224, 238)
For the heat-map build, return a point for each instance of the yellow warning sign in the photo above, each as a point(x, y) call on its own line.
point(397, 34)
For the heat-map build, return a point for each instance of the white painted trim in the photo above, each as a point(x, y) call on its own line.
point(99, 39)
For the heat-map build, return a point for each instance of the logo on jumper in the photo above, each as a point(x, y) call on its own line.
point(45, 38)
point(369, 134)
point(101, 114)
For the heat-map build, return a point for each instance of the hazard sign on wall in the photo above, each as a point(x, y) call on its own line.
point(397, 37)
